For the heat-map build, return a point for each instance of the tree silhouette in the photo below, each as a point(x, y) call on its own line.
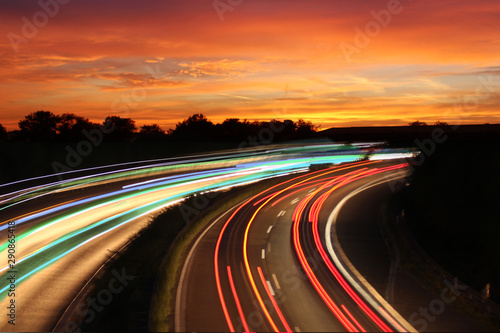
point(45, 126)
point(39, 126)
point(305, 129)
point(152, 133)
point(441, 123)
point(232, 129)
point(284, 130)
point(417, 123)
point(71, 126)
point(3, 133)
point(194, 128)
point(119, 129)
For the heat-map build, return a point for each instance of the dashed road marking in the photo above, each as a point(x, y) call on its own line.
point(269, 229)
point(276, 281)
point(295, 200)
point(263, 255)
point(270, 287)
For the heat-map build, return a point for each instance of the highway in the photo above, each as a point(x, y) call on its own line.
point(268, 264)
point(64, 230)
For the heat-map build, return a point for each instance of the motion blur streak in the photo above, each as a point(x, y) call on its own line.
point(389, 317)
point(77, 220)
point(249, 274)
point(237, 300)
point(245, 241)
point(217, 250)
point(352, 318)
point(369, 294)
point(216, 266)
point(313, 217)
point(26, 275)
point(271, 297)
point(330, 265)
point(307, 268)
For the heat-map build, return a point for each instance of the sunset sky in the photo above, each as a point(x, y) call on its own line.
point(335, 63)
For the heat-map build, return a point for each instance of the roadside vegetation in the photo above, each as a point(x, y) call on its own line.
point(21, 159)
point(58, 143)
point(452, 207)
point(44, 126)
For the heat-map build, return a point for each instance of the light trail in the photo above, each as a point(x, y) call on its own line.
point(400, 323)
point(326, 259)
point(273, 301)
point(27, 275)
point(223, 230)
point(245, 247)
point(237, 300)
point(307, 268)
point(313, 217)
point(361, 328)
point(134, 192)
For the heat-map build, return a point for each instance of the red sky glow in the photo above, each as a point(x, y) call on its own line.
point(335, 63)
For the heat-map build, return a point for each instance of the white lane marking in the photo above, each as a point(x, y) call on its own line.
point(263, 255)
point(282, 213)
point(269, 229)
point(297, 329)
point(295, 200)
point(311, 191)
point(276, 281)
point(180, 326)
point(329, 233)
point(270, 287)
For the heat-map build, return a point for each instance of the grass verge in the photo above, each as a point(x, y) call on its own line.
point(163, 304)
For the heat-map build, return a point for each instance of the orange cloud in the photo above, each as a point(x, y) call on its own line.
point(164, 60)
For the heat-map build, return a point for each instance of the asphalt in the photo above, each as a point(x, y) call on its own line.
point(273, 251)
point(42, 297)
point(57, 265)
point(296, 297)
point(269, 247)
point(360, 236)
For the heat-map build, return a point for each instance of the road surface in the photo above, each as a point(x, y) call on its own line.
point(265, 264)
point(63, 231)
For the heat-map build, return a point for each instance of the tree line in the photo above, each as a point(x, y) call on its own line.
point(44, 126)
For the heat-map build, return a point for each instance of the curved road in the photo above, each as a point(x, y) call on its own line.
point(63, 231)
point(265, 264)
